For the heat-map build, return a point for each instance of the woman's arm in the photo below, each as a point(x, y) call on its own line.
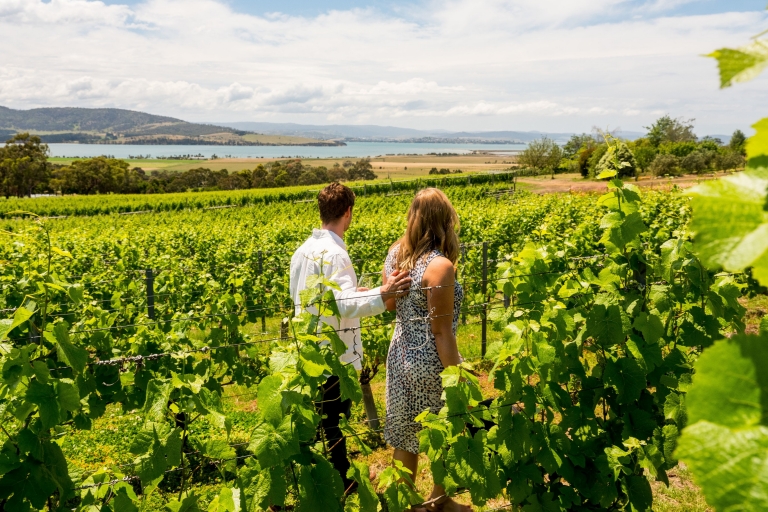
point(440, 278)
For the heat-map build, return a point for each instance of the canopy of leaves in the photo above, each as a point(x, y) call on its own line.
point(667, 129)
point(541, 154)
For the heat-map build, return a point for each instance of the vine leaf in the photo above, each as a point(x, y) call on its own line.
point(320, 487)
point(742, 64)
point(627, 377)
point(69, 354)
point(726, 446)
point(369, 501)
point(273, 445)
point(731, 222)
point(21, 315)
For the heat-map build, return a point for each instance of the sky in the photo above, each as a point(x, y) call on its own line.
point(478, 65)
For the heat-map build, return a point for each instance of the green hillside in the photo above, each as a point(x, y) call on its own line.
point(119, 126)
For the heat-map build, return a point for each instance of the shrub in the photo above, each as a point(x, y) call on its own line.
point(729, 160)
point(694, 163)
point(665, 164)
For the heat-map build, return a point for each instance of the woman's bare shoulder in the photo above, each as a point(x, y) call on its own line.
point(439, 270)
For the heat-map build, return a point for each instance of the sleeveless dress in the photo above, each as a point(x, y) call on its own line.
point(413, 365)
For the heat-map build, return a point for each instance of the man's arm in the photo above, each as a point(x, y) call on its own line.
point(357, 304)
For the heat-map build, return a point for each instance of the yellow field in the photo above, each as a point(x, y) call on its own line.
point(277, 139)
point(395, 167)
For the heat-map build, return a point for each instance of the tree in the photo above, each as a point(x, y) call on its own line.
point(362, 170)
point(738, 142)
point(541, 154)
point(578, 143)
point(99, 175)
point(666, 129)
point(24, 167)
point(644, 153)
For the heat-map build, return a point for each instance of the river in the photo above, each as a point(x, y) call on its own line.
point(351, 150)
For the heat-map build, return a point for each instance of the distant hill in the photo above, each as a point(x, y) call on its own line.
point(118, 126)
point(393, 133)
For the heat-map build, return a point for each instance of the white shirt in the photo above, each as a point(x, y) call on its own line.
point(337, 267)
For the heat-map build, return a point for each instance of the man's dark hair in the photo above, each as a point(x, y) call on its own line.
point(334, 200)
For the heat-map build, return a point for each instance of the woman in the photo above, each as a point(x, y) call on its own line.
point(424, 342)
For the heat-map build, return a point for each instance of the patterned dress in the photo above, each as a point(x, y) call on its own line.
point(413, 365)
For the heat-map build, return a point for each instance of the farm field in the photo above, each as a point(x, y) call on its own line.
point(397, 167)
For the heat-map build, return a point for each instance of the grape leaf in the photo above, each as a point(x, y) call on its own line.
point(44, 396)
point(225, 501)
point(21, 315)
point(156, 403)
point(369, 500)
point(320, 487)
point(730, 222)
point(627, 377)
point(270, 399)
point(726, 444)
point(742, 64)
point(273, 445)
point(69, 354)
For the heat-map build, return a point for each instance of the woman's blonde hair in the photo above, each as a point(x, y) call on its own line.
point(432, 224)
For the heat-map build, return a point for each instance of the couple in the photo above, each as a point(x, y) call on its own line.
point(419, 282)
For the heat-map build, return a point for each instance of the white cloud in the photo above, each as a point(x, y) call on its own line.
point(475, 64)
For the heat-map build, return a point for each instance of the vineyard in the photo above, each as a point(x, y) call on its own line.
point(587, 312)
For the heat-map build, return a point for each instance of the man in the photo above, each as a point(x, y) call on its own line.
point(327, 245)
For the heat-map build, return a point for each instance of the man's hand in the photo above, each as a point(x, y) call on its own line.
point(398, 285)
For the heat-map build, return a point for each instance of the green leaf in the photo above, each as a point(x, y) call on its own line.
point(68, 395)
point(123, 502)
point(730, 222)
point(69, 354)
point(742, 64)
point(757, 145)
point(270, 399)
point(274, 445)
point(627, 377)
point(311, 361)
point(638, 488)
point(225, 501)
point(369, 500)
point(156, 403)
point(348, 379)
point(44, 396)
point(622, 231)
point(21, 315)
point(728, 464)
point(675, 410)
point(605, 325)
point(729, 385)
point(188, 504)
point(726, 443)
point(320, 487)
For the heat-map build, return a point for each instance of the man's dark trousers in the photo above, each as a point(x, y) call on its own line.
point(332, 406)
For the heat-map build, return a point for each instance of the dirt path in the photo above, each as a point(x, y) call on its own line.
point(575, 183)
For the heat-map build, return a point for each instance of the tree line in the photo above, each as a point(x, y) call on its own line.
point(25, 170)
point(669, 148)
